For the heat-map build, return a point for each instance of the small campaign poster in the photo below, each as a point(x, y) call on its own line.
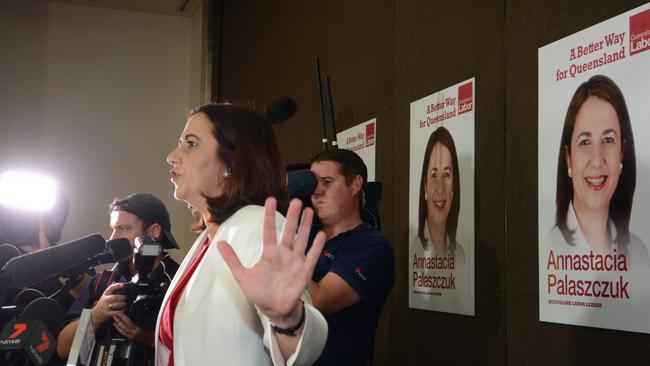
point(361, 139)
point(441, 201)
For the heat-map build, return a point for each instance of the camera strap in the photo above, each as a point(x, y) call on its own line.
point(104, 279)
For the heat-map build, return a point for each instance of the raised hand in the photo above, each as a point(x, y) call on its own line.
point(277, 281)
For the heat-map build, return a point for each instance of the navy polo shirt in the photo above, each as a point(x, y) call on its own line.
point(364, 258)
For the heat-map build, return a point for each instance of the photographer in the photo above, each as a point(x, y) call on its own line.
point(134, 216)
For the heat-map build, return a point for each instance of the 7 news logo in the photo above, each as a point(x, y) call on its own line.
point(30, 337)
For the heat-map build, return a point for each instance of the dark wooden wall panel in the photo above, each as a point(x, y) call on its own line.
point(358, 58)
point(438, 44)
point(529, 25)
point(268, 52)
point(381, 56)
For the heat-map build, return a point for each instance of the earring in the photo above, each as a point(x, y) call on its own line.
point(569, 172)
point(425, 196)
point(227, 173)
point(621, 167)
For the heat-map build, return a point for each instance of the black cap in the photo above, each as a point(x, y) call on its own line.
point(150, 208)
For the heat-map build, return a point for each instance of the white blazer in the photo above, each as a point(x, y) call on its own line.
point(214, 323)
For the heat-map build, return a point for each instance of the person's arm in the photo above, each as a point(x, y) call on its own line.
point(287, 344)
point(309, 345)
point(66, 336)
point(332, 294)
point(108, 305)
point(277, 281)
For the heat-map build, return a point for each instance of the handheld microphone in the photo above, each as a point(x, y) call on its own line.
point(7, 252)
point(26, 297)
point(46, 310)
point(280, 110)
point(30, 336)
point(35, 267)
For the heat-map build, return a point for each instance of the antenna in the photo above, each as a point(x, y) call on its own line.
point(331, 105)
point(319, 91)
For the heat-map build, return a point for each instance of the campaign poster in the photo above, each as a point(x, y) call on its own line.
point(441, 201)
point(361, 140)
point(594, 174)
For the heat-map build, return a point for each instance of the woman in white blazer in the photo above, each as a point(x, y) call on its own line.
point(238, 298)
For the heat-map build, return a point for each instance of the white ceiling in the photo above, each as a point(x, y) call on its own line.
point(169, 7)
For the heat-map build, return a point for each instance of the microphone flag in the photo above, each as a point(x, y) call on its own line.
point(29, 337)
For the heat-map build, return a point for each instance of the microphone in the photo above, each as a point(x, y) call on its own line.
point(35, 267)
point(302, 184)
point(46, 310)
point(280, 110)
point(7, 252)
point(30, 336)
point(117, 249)
point(26, 296)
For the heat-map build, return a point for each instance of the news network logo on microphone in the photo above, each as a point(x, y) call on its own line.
point(31, 338)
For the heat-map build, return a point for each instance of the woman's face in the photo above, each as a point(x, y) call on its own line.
point(439, 185)
point(196, 171)
point(596, 155)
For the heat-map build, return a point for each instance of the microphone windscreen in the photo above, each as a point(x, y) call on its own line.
point(26, 296)
point(37, 266)
point(46, 310)
point(7, 252)
point(301, 183)
point(281, 110)
point(119, 248)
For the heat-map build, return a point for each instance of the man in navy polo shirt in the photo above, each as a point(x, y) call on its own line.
point(356, 269)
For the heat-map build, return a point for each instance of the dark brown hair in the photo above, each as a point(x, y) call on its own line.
point(248, 148)
point(620, 207)
point(440, 135)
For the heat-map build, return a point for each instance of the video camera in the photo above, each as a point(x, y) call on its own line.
point(143, 300)
point(144, 297)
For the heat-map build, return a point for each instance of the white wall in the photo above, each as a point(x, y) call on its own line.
point(97, 98)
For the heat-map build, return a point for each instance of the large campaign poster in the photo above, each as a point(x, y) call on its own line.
point(441, 201)
point(361, 140)
point(594, 175)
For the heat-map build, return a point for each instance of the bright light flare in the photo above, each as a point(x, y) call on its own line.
point(27, 191)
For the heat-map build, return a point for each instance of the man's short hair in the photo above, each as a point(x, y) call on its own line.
point(150, 210)
point(350, 164)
